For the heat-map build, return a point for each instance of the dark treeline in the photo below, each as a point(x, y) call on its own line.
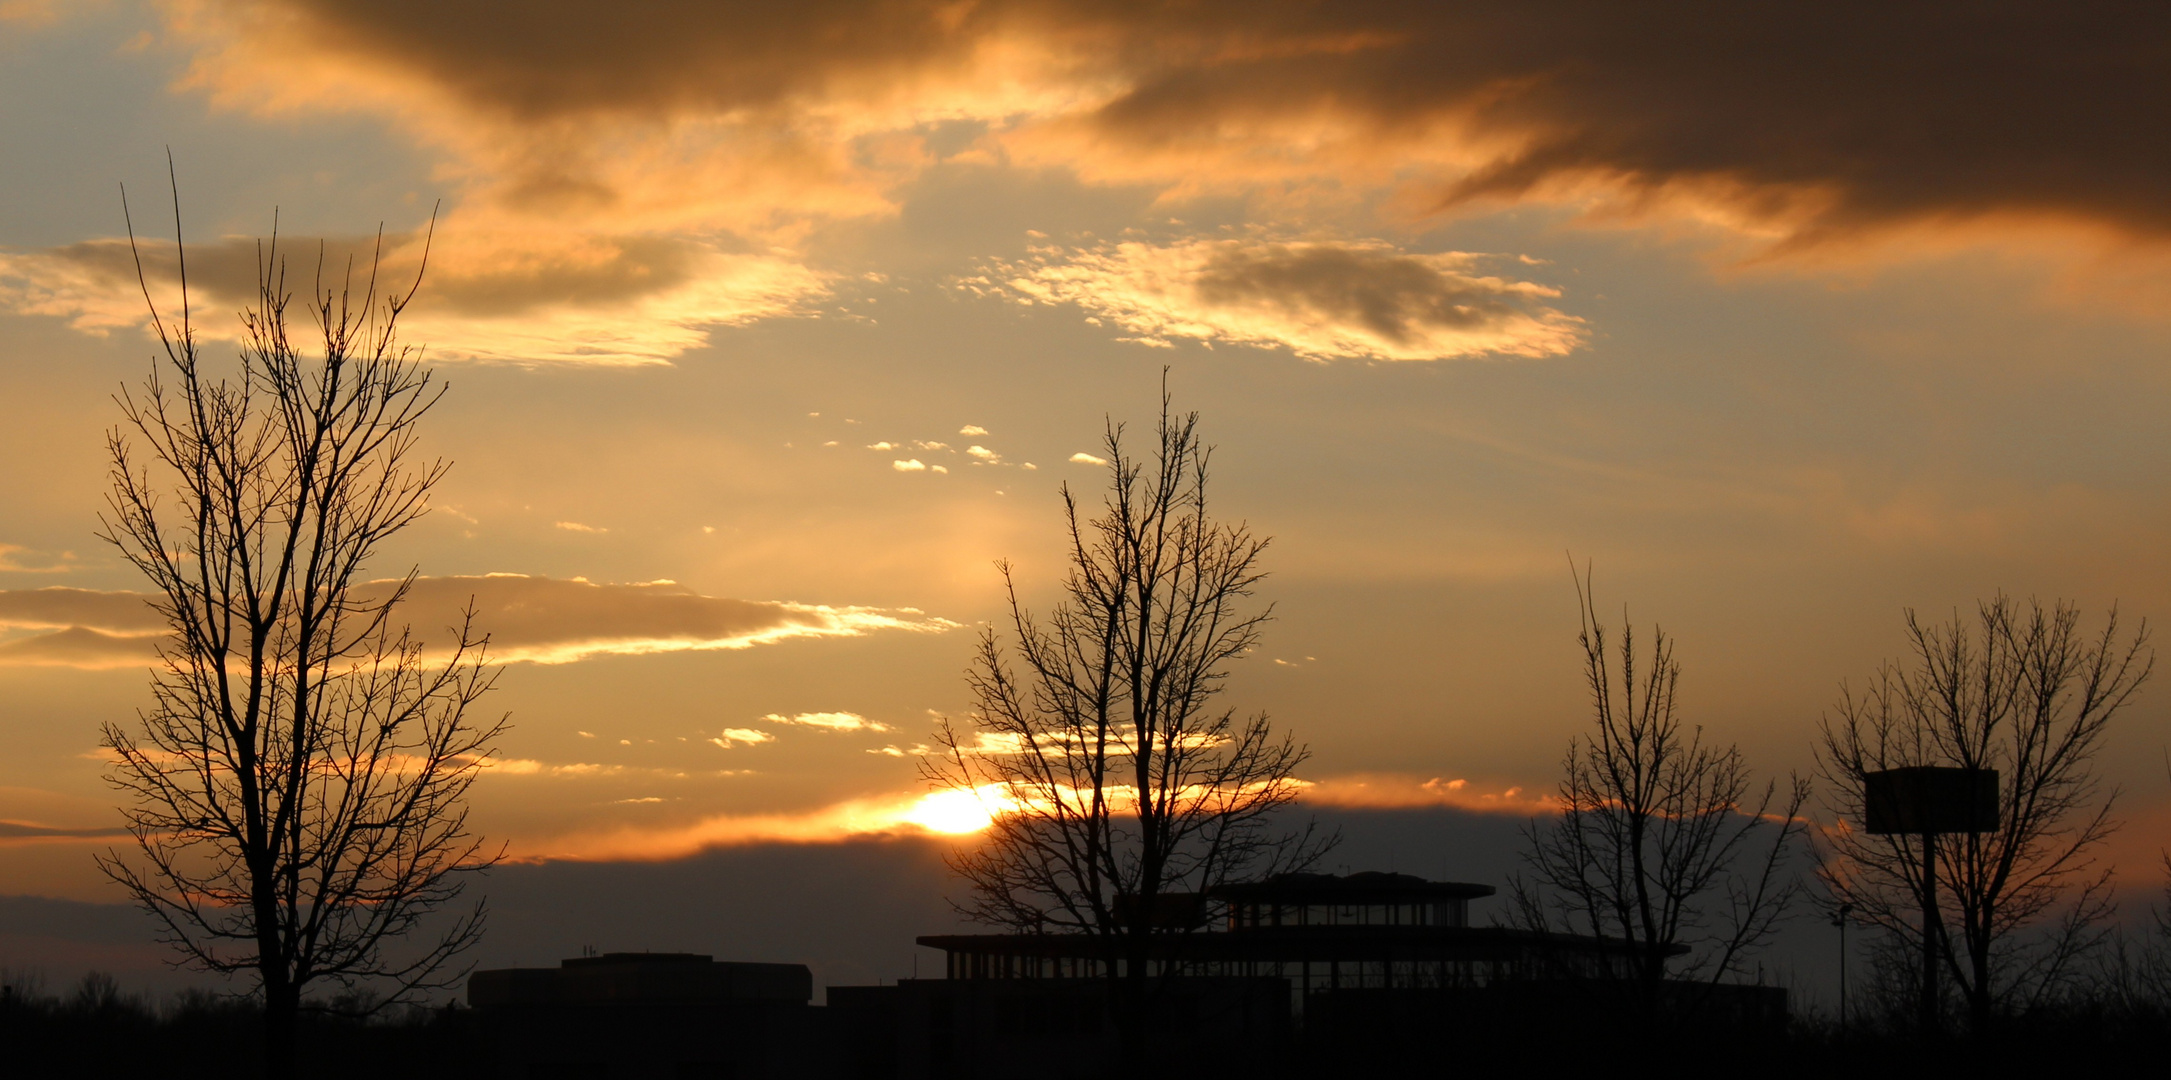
point(2062, 1040)
point(97, 1029)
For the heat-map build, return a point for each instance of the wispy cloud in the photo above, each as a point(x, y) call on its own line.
point(15, 833)
point(17, 559)
point(832, 721)
point(1320, 299)
point(534, 299)
point(59, 606)
point(1395, 791)
point(533, 619)
point(941, 813)
point(553, 620)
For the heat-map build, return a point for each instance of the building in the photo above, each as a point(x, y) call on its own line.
point(1302, 967)
point(1049, 1029)
point(668, 1016)
point(1318, 933)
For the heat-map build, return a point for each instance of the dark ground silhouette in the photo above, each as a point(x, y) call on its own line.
point(850, 912)
point(91, 1030)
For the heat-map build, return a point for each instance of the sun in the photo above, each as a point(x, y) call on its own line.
point(955, 812)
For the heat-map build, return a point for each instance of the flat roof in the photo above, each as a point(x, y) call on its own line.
point(1297, 944)
point(1365, 887)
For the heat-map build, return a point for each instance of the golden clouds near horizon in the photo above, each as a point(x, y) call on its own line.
point(529, 619)
point(943, 813)
point(964, 812)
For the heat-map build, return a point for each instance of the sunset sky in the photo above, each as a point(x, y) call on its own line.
point(771, 327)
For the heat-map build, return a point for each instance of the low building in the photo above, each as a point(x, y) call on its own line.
point(636, 1016)
point(1337, 967)
point(1319, 933)
point(1050, 1029)
point(1291, 972)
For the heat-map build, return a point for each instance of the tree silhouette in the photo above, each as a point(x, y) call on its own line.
point(1123, 794)
point(2026, 693)
point(1663, 842)
point(297, 785)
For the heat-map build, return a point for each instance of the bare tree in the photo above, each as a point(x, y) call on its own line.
point(1663, 843)
point(297, 785)
point(2024, 692)
point(1124, 792)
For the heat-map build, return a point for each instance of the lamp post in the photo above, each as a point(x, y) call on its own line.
point(1928, 800)
point(1839, 920)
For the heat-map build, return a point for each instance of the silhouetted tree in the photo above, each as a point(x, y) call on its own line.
point(2026, 693)
point(1662, 842)
point(297, 784)
point(1123, 794)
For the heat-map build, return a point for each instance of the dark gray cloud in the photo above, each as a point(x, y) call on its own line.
point(19, 830)
point(1831, 116)
point(1320, 299)
point(223, 274)
point(1399, 298)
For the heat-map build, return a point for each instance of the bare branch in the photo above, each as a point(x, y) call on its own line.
point(1662, 842)
point(2017, 689)
point(1119, 783)
point(296, 789)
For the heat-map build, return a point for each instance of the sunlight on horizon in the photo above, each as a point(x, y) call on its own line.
point(956, 812)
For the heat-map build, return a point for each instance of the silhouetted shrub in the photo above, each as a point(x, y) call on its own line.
point(97, 1030)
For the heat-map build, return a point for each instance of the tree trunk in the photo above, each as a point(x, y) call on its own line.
point(1132, 1036)
point(282, 1010)
point(1978, 991)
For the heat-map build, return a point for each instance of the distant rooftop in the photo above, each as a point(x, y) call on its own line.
point(1366, 887)
point(641, 978)
point(619, 959)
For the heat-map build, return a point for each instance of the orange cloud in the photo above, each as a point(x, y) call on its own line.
point(30, 12)
point(941, 813)
point(536, 298)
point(1395, 791)
point(59, 606)
point(534, 619)
point(628, 179)
point(625, 180)
point(961, 812)
point(1320, 299)
point(829, 721)
point(1817, 122)
point(12, 561)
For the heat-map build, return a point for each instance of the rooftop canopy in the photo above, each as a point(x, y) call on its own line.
point(1368, 887)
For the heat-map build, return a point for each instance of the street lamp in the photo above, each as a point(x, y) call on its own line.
point(1839, 920)
point(1927, 800)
